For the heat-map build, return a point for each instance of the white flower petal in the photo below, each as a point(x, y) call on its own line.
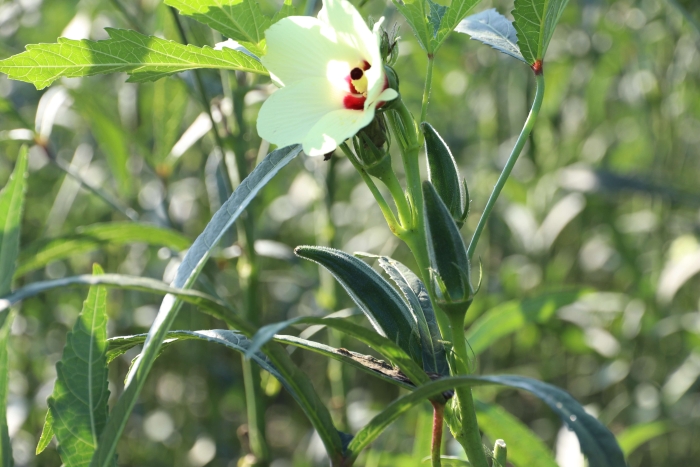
point(300, 47)
point(350, 26)
point(293, 111)
point(375, 75)
point(386, 95)
point(334, 128)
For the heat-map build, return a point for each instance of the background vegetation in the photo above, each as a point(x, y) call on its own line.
point(595, 239)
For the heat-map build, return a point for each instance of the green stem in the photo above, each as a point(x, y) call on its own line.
point(468, 431)
point(436, 444)
point(426, 90)
point(500, 453)
point(503, 178)
point(392, 183)
point(389, 216)
point(405, 132)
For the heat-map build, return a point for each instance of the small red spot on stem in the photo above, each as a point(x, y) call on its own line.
point(537, 67)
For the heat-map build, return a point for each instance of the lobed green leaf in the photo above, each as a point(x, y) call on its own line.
point(145, 58)
point(240, 20)
point(78, 404)
point(535, 21)
point(492, 28)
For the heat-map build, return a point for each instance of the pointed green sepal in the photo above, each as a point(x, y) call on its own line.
point(443, 173)
point(448, 256)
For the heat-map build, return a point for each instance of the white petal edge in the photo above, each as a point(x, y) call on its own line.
point(300, 47)
point(334, 128)
point(291, 112)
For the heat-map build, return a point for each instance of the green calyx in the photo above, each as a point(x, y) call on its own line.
point(372, 145)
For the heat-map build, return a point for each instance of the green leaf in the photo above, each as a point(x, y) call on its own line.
point(366, 363)
point(145, 58)
point(416, 14)
point(5, 445)
point(93, 237)
point(418, 299)
point(378, 343)
point(46, 434)
point(492, 28)
point(443, 173)
point(455, 13)
point(525, 449)
point(185, 278)
point(512, 316)
point(378, 300)
point(535, 21)
point(636, 435)
point(286, 10)
point(78, 404)
point(240, 20)
point(597, 443)
point(212, 305)
point(446, 250)
point(11, 207)
point(435, 15)
point(119, 345)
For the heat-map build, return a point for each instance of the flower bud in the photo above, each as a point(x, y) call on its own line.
point(389, 46)
point(372, 145)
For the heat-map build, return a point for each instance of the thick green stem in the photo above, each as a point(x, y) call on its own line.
point(406, 133)
point(503, 178)
point(436, 444)
point(426, 89)
point(467, 433)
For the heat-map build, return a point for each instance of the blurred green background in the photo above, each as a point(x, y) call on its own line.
point(603, 205)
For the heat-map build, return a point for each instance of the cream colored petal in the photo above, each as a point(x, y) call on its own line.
point(291, 112)
point(386, 96)
point(375, 75)
point(351, 28)
point(300, 47)
point(334, 128)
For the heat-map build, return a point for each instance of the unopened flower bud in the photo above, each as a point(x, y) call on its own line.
point(389, 45)
point(372, 145)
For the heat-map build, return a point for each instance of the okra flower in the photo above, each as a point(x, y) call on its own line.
point(331, 76)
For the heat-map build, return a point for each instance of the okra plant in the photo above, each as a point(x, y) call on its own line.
point(338, 96)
